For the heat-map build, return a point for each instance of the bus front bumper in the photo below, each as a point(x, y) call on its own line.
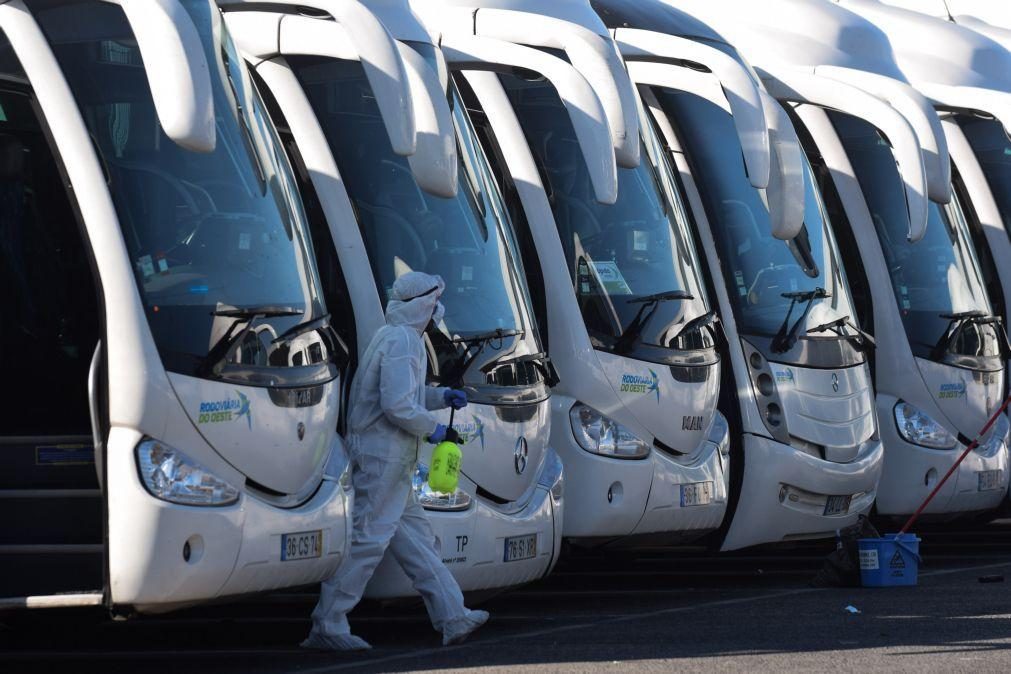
point(786, 493)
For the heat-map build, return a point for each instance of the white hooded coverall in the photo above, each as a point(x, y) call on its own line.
point(388, 417)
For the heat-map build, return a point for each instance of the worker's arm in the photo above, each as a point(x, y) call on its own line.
point(399, 382)
point(435, 397)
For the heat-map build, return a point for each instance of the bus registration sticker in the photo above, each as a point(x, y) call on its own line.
point(837, 505)
point(301, 545)
point(696, 494)
point(520, 547)
point(988, 479)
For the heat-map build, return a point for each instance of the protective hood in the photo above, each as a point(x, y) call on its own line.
point(414, 300)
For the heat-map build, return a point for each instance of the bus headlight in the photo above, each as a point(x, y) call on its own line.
point(917, 427)
point(598, 434)
point(433, 500)
point(174, 477)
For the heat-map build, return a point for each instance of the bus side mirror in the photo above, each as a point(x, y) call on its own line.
point(589, 120)
point(177, 70)
point(354, 34)
point(672, 55)
point(785, 194)
point(593, 55)
point(804, 87)
point(435, 164)
point(920, 114)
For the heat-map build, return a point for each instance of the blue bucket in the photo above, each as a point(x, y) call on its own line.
point(893, 559)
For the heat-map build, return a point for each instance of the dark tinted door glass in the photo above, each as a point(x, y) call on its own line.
point(48, 311)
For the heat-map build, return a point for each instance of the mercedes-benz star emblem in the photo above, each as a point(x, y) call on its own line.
point(835, 382)
point(300, 429)
point(520, 455)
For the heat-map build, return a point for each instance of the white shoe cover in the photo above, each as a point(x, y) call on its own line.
point(335, 642)
point(458, 630)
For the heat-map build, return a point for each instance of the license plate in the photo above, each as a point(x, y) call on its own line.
point(301, 545)
point(837, 505)
point(696, 494)
point(988, 479)
point(520, 547)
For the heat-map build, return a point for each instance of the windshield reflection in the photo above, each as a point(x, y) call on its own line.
point(933, 279)
point(465, 239)
point(218, 240)
point(764, 276)
point(632, 264)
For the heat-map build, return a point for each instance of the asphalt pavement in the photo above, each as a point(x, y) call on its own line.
point(653, 609)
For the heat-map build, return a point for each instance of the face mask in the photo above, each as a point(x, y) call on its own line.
point(439, 313)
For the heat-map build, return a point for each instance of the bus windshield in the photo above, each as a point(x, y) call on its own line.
point(771, 283)
point(632, 264)
point(467, 239)
point(936, 280)
point(218, 241)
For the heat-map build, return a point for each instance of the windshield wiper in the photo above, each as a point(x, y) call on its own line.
point(247, 315)
point(542, 362)
point(240, 113)
point(454, 378)
point(641, 319)
point(323, 325)
point(265, 311)
point(861, 338)
point(708, 320)
point(662, 297)
point(958, 320)
point(786, 337)
point(485, 337)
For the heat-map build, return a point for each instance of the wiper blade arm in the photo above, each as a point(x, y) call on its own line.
point(265, 311)
point(787, 337)
point(541, 361)
point(485, 337)
point(963, 315)
point(973, 316)
point(321, 323)
point(807, 295)
point(663, 297)
point(861, 337)
point(634, 330)
point(708, 319)
point(247, 315)
point(454, 378)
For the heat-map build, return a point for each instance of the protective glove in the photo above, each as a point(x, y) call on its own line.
point(438, 435)
point(455, 398)
point(443, 434)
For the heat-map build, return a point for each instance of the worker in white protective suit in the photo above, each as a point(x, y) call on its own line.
point(388, 417)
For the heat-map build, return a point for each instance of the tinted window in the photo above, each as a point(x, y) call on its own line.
point(993, 151)
point(210, 235)
point(933, 279)
point(760, 271)
point(48, 307)
point(466, 239)
point(618, 255)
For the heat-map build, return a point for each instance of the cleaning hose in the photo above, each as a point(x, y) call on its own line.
point(973, 445)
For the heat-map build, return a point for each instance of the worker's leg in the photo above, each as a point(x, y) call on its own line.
point(381, 488)
point(414, 548)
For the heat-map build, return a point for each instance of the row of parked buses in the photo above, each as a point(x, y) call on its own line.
point(738, 270)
